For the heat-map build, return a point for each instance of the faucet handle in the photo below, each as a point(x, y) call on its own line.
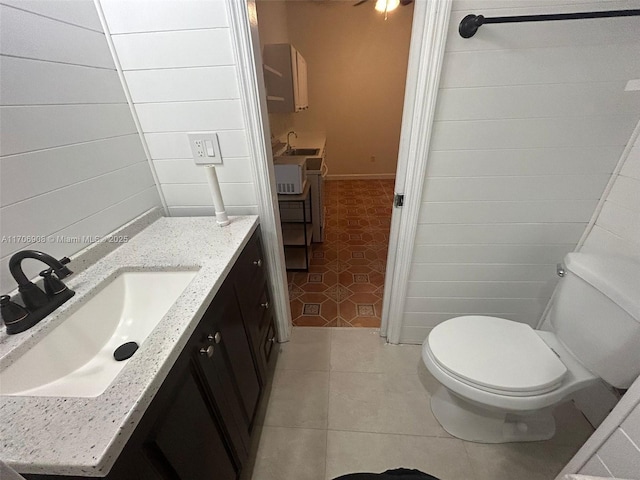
point(52, 284)
point(65, 260)
point(11, 312)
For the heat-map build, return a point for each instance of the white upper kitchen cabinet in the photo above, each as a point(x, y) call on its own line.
point(285, 76)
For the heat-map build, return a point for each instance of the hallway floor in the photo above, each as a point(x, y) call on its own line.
point(343, 401)
point(344, 284)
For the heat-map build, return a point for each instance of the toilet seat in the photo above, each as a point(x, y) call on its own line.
point(496, 355)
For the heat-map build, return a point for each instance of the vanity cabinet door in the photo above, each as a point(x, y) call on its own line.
point(255, 302)
point(227, 367)
point(190, 438)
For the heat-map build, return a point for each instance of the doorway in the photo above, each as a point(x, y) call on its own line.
point(357, 64)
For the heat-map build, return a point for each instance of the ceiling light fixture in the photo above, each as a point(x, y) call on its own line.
point(385, 6)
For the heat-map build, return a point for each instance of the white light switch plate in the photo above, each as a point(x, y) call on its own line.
point(205, 148)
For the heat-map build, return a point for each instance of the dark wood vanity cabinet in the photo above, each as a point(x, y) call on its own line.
point(200, 422)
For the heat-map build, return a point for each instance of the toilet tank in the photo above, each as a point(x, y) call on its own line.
point(596, 315)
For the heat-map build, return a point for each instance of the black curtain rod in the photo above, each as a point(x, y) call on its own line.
point(470, 24)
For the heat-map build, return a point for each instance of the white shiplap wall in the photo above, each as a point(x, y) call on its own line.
point(72, 162)
point(530, 123)
point(613, 451)
point(179, 67)
point(617, 228)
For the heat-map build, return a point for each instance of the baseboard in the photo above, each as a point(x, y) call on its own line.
point(362, 176)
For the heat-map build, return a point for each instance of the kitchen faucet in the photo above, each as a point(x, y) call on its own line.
point(37, 303)
point(288, 142)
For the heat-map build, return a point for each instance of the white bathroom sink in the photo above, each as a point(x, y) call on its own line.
point(76, 358)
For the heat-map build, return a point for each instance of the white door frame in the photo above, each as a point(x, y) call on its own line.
point(244, 35)
point(428, 37)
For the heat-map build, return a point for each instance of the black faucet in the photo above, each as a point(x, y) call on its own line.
point(37, 304)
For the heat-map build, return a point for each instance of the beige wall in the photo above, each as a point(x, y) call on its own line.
point(357, 65)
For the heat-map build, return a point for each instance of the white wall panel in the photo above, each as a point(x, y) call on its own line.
point(571, 64)
point(156, 16)
point(553, 34)
point(522, 233)
point(77, 12)
point(530, 101)
point(191, 116)
point(621, 221)
point(529, 5)
point(99, 224)
point(31, 174)
point(233, 143)
point(479, 306)
point(179, 66)
point(480, 289)
point(233, 194)
point(51, 40)
point(533, 132)
point(617, 227)
point(512, 254)
point(625, 192)
point(631, 167)
point(556, 187)
point(189, 48)
point(183, 84)
point(35, 82)
point(53, 211)
point(73, 163)
point(569, 211)
point(481, 272)
point(45, 126)
point(530, 123)
point(206, 211)
point(232, 170)
point(532, 161)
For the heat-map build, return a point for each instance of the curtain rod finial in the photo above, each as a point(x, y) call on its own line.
point(469, 25)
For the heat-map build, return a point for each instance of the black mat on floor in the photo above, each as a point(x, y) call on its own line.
point(397, 474)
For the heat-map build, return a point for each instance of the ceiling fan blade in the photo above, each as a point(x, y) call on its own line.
point(360, 3)
point(404, 3)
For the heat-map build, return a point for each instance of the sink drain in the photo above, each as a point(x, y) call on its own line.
point(125, 351)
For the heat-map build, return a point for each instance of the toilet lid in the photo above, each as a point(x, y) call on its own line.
point(497, 354)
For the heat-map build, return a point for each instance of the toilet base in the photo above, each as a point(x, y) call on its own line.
point(468, 421)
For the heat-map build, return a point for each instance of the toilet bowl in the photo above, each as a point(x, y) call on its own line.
point(500, 379)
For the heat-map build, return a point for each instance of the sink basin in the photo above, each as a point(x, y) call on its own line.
point(76, 358)
point(303, 152)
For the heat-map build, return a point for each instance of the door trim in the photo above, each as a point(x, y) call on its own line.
point(426, 53)
point(244, 35)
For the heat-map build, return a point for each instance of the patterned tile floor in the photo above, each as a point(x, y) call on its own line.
point(344, 284)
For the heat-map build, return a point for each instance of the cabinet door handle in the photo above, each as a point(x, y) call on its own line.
point(258, 263)
point(208, 351)
point(265, 305)
point(217, 337)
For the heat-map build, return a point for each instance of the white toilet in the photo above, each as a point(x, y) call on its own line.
point(500, 379)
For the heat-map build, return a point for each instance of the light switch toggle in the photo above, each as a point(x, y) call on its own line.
point(205, 148)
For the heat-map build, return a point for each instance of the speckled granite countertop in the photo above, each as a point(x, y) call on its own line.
point(84, 436)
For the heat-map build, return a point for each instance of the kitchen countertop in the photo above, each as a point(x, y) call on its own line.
point(84, 436)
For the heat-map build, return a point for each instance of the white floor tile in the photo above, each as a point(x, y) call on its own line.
point(351, 452)
point(308, 349)
point(363, 350)
point(511, 461)
point(298, 399)
point(291, 453)
point(381, 403)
